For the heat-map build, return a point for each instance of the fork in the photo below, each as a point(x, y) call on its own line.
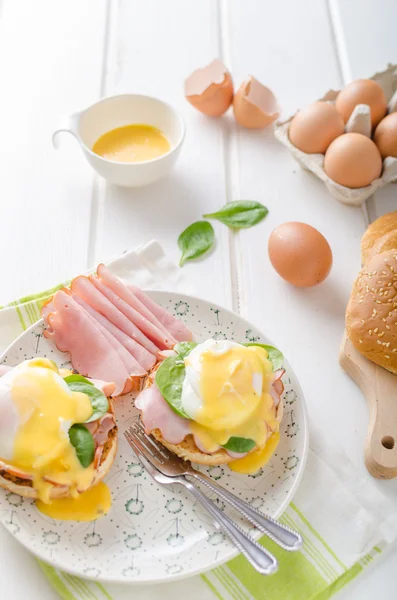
point(260, 558)
point(171, 465)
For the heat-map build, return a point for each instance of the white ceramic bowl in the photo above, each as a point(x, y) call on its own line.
point(89, 124)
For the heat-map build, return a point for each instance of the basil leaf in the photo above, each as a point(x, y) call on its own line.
point(169, 380)
point(99, 402)
point(275, 356)
point(240, 214)
point(75, 377)
point(83, 442)
point(184, 348)
point(238, 444)
point(195, 240)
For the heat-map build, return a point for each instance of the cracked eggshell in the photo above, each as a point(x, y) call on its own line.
point(254, 105)
point(210, 89)
point(387, 79)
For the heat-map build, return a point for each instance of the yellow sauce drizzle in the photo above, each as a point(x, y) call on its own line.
point(88, 506)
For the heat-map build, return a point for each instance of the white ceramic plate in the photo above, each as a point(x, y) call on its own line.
point(153, 533)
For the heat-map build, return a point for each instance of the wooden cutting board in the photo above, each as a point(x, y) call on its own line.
point(380, 389)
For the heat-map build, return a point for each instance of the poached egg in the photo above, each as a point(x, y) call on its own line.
point(226, 395)
point(37, 409)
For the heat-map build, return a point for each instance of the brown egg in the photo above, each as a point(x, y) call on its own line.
point(362, 91)
point(254, 105)
point(353, 160)
point(210, 89)
point(300, 254)
point(385, 136)
point(313, 128)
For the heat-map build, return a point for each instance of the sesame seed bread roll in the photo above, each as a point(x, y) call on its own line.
point(379, 228)
point(371, 314)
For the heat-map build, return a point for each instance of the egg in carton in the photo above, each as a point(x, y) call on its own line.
point(359, 122)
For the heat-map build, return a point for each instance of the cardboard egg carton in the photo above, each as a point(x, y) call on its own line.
point(359, 122)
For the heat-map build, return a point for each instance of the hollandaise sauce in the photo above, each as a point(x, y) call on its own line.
point(235, 402)
point(132, 143)
point(88, 506)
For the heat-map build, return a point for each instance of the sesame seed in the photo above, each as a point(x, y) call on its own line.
point(387, 326)
point(379, 342)
point(389, 284)
point(370, 332)
point(381, 289)
point(360, 341)
point(384, 273)
point(376, 330)
point(378, 302)
point(383, 343)
point(381, 334)
point(387, 344)
point(390, 300)
point(387, 356)
point(394, 350)
point(380, 293)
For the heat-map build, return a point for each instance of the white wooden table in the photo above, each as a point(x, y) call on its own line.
point(57, 219)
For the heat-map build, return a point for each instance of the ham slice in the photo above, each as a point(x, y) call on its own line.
point(100, 429)
point(115, 284)
point(277, 388)
point(173, 325)
point(131, 364)
point(105, 387)
point(141, 355)
point(92, 355)
point(85, 289)
point(157, 414)
point(161, 339)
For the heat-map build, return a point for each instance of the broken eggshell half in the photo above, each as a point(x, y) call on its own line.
point(210, 89)
point(254, 105)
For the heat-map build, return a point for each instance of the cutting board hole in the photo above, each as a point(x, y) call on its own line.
point(388, 442)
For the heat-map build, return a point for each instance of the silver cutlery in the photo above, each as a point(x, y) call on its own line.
point(166, 468)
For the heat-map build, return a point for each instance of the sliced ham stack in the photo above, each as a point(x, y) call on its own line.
point(112, 331)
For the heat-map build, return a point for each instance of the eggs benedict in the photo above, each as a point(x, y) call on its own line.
point(58, 438)
point(216, 402)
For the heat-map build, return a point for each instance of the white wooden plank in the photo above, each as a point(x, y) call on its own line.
point(366, 42)
point(153, 47)
point(292, 51)
point(50, 64)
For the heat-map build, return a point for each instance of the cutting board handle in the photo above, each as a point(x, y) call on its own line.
point(380, 390)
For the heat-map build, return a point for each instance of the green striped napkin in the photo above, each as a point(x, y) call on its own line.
point(345, 519)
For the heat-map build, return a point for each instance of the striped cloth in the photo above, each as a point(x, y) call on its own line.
point(345, 519)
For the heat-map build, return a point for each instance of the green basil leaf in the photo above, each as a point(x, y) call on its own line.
point(240, 214)
point(184, 348)
point(99, 402)
point(238, 444)
point(197, 239)
point(275, 356)
point(83, 442)
point(169, 380)
point(71, 378)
